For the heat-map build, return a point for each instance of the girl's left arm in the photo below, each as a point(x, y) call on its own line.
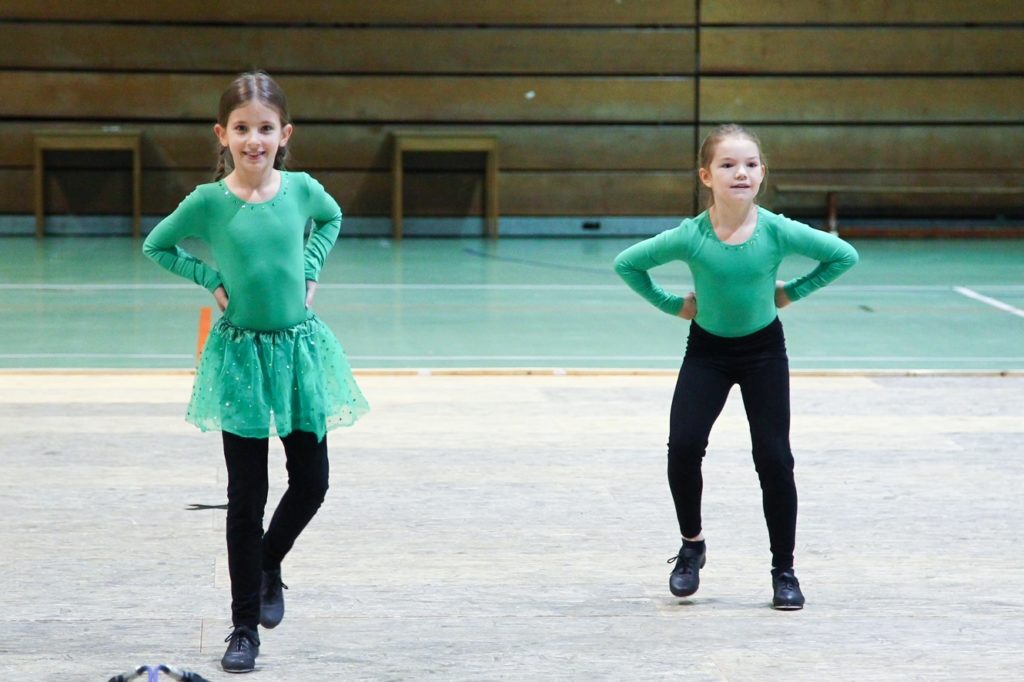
point(326, 215)
point(834, 257)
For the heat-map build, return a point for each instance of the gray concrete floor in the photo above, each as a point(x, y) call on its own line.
point(517, 527)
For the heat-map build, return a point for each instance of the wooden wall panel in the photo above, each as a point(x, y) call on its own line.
point(873, 93)
point(353, 50)
point(85, 192)
point(596, 194)
point(325, 146)
point(891, 100)
point(400, 12)
point(897, 203)
point(861, 12)
point(596, 102)
point(896, 179)
point(539, 194)
point(831, 50)
point(880, 149)
point(126, 97)
point(547, 194)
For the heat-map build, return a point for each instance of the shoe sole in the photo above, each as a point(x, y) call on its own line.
point(247, 670)
point(238, 672)
point(269, 625)
point(787, 607)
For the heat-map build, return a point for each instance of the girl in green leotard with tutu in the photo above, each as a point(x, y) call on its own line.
point(270, 366)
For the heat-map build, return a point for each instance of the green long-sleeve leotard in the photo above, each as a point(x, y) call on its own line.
point(735, 284)
point(263, 260)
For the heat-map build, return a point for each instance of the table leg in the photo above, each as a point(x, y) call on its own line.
point(491, 194)
point(136, 192)
point(396, 193)
point(832, 204)
point(40, 202)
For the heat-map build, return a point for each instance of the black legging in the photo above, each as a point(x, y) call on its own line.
point(712, 364)
point(250, 551)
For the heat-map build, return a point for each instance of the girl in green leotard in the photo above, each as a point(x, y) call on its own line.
point(270, 365)
point(734, 249)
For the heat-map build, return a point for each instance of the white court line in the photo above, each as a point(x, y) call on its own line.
point(798, 358)
point(95, 356)
point(668, 358)
point(837, 288)
point(535, 358)
point(84, 286)
point(994, 302)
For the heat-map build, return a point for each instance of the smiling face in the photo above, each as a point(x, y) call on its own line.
point(253, 134)
point(736, 171)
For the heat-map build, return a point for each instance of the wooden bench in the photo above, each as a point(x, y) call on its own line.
point(832, 193)
point(445, 142)
point(112, 138)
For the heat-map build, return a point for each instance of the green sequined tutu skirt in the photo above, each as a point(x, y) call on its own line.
point(259, 383)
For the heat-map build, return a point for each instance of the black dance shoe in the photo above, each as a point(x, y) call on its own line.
point(272, 599)
point(788, 596)
point(685, 578)
point(243, 648)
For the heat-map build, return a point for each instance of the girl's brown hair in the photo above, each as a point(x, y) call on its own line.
point(710, 143)
point(248, 87)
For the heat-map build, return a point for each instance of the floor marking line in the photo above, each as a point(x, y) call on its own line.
point(104, 356)
point(529, 261)
point(435, 358)
point(427, 286)
point(994, 302)
point(85, 286)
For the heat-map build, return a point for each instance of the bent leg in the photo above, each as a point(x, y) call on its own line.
point(308, 473)
point(701, 391)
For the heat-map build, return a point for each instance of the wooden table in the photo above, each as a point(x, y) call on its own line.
point(445, 142)
point(87, 139)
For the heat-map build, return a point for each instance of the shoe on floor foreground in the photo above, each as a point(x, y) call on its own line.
point(788, 596)
point(243, 648)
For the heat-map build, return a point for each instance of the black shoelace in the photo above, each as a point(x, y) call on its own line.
point(236, 637)
point(787, 581)
point(274, 589)
point(685, 565)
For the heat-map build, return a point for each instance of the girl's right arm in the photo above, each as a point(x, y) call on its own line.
point(633, 264)
point(162, 244)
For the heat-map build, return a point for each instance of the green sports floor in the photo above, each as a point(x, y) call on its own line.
point(548, 304)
